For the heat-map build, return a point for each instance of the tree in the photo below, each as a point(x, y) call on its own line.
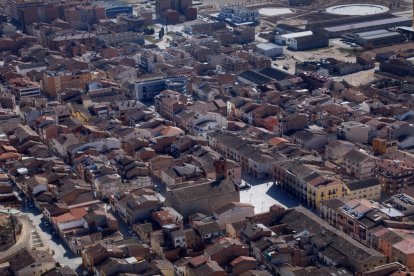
point(161, 33)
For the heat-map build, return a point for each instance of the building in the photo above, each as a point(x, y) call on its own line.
point(147, 89)
point(122, 37)
point(337, 31)
point(369, 188)
point(284, 39)
point(80, 16)
point(168, 103)
point(359, 164)
point(16, 8)
point(233, 212)
point(394, 175)
point(24, 88)
point(336, 244)
point(383, 146)
point(378, 37)
point(269, 49)
point(55, 82)
point(113, 9)
point(31, 262)
point(308, 42)
point(354, 132)
point(238, 15)
point(137, 206)
point(175, 11)
point(204, 196)
point(58, 41)
point(202, 27)
point(323, 188)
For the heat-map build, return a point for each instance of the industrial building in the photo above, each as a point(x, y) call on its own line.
point(284, 39)
point(378, 37)
point(408, 32)
point(269, 49)
point(308, 42)
point(337, 31)
point(238, 15)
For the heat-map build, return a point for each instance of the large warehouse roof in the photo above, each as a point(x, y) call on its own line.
point(350, 27)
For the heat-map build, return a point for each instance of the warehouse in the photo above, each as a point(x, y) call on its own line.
point(407, 32)
point(283, 39)
point(269, 49)
point(337, 31)
point(378, 37)
point(309, 42)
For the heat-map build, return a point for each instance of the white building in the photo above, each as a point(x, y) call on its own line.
point(285, 39)
point(354, 132)
point(238, 14)
point(208, 122)
point(269, 49)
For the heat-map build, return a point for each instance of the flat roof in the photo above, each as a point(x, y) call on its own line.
point(378, 34)
point(349, 27)
point(267, 46)
point(404, 28)
point(299, 34)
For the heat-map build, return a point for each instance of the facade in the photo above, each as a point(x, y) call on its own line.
point(369, 188)
point(24, 88)
point(238, 15)
point(323, 189)
point(284, 39)
point(359, 164)
point(394, 175)
point(308, 42)
point(354, 132)
point(146, 90)
point(269, 49)
point(233, 212)
point(204, 196)
point(54, 83)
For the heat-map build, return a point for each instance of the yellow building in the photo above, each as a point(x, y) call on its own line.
point(322, 188)
point(369, 189)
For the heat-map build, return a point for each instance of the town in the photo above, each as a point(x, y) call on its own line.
point(206, 138)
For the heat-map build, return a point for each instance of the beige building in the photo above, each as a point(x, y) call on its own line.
point(369, 188)
point(359, 163)
point(54, 83)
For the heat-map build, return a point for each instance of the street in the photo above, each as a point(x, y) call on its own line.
point(61, 254)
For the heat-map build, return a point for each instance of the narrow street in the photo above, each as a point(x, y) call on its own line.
point(61, 254)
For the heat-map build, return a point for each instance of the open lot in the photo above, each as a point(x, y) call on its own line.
point(264, 194)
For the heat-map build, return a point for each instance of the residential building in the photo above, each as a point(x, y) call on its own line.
point(359, 163)
point(394, 175)
point(55, 82)
point(369, 189)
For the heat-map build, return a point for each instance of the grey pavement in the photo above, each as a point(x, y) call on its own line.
point(61, 253)
point(263, 194)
